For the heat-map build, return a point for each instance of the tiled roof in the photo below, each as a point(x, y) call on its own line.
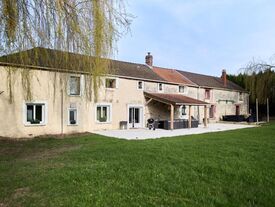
point(60, 60)
point(209, 81)
point(172, 75)
point(175, 99)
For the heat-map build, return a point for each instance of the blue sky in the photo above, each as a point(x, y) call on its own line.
point(201, 36)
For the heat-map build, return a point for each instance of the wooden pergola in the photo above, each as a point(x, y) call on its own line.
point(174, 100)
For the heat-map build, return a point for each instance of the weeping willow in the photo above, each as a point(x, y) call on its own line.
point(87, 27)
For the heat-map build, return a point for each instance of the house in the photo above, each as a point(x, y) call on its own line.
point(128, 95)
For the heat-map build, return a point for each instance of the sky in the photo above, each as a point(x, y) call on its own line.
point(201, 36)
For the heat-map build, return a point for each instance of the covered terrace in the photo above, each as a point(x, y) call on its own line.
point(173, 100)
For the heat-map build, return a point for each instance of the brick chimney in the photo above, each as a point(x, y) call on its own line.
point(149, 59)
point(224, 77)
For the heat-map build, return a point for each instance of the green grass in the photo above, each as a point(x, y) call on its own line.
point(234, 168)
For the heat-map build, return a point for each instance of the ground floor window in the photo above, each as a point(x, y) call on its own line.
point(212, 111)
point(103, 113)
point(73, 116)
point(35, 113)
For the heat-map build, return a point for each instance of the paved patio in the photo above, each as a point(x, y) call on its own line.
point(140, 134)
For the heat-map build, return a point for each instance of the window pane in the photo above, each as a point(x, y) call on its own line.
point(140, 84)
point(75, 85)
point(181, 89)
point(160, 86)
point(131, 110)
point(30, 113)
point(104, 114)
point(38, 112)
point(110, 83)
point(136, 115)
point(73, 115)
point(98, 112)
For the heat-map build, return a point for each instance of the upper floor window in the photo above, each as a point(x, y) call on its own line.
point(240, 96)
point(182, 89)
point(35, 113)
point(111, 83)
point(160, 87)
point(140, 85)
point(207, 93)
point(74, 85)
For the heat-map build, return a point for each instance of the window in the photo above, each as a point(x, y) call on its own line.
point(74, 85)
point(72, 116)
point(35, 113)
point(207, 93)
point(212, 111)
point(140, 85)
point(182, 89)
point(160, 87)
point(240, 96)
point(182, 111)
point(103, 113)
point(110, 83)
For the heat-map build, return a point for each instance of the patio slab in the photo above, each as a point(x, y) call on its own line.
point(141, 134)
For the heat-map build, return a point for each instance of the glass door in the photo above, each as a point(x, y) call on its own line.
point(135, 120)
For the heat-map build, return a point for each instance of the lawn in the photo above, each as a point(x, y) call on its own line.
point(233, 168)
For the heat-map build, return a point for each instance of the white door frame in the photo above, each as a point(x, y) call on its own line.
point(141, 114)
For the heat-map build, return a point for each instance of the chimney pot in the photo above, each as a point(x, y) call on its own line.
point(149, 59)
point(224, 78)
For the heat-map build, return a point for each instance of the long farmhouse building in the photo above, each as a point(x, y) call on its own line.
point(129, 94)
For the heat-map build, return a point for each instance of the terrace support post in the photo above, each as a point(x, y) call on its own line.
point(189, 118)
point(257, 112)
point(205, 116)
point(267, 110)
point(172, 117)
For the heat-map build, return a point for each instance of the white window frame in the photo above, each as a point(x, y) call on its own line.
point(44, 113)
point(113, 78)
point(110, 112)
point(142, 84)
point(72, 109)
point(81, 87)
point(161, 91)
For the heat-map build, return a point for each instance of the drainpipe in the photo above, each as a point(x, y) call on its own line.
point(62, 130)
point(198, 97)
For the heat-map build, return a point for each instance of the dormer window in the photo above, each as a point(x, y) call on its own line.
point(110, 83)
point(160, 87)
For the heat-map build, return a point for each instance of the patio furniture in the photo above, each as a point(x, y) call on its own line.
point(178, 124)
point(234, 118)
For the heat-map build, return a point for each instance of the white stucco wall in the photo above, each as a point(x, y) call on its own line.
point(51, 88)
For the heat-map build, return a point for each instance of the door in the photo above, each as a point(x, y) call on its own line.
point(237, 110)
point(135, 117)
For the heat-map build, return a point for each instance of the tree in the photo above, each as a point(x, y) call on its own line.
point(89, 27)
point(258, 78)
point(260, 81)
